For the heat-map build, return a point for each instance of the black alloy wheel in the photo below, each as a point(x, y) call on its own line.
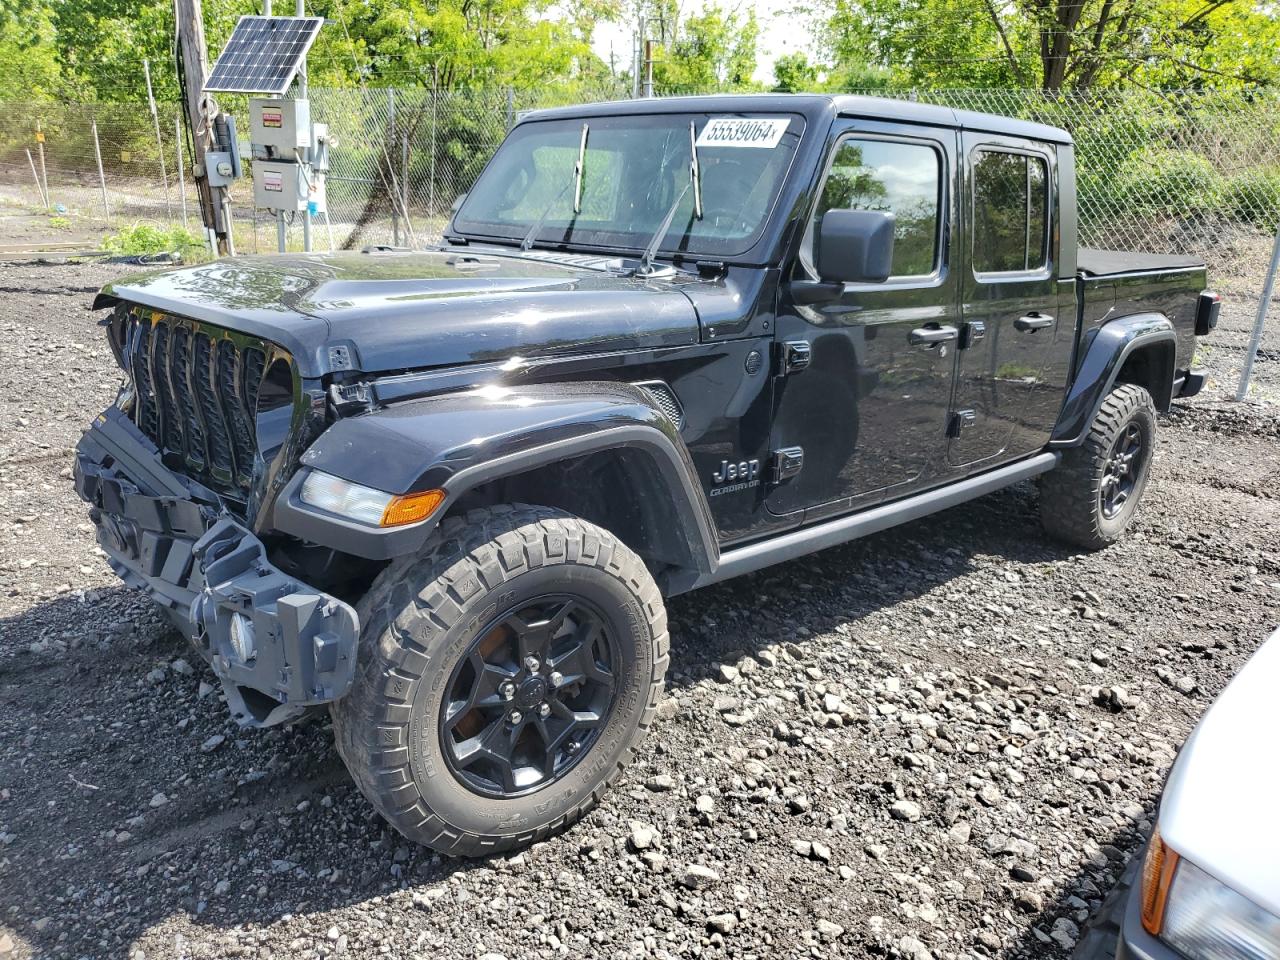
point(1121, 473)
point(1092, 496)
point(529, 697)
point(507, 674)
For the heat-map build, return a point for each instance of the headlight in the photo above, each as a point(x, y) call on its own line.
point(1197, 915)
point(365, 504)
point(1205, 920)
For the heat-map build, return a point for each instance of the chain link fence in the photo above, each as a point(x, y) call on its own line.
point(400, 158)
point(1188, 173)
point(1191, 172)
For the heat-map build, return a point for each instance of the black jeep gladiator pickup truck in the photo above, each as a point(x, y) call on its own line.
point(662, 343)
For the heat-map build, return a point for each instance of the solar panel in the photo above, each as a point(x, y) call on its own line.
point(263, 54)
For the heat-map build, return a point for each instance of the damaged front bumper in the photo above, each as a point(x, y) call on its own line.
point(278, 645)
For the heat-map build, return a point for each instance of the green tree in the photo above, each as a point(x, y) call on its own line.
point(710, 50)
point(793, 73)
point(29, 67)
point(94, 49)
point(456, 43)
point(1059, 44)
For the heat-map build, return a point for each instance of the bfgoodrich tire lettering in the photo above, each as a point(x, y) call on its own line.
point(423, 614)
point(1077, 499)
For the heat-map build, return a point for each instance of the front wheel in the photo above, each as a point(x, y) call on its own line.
point(1090, 498)
point(506, 676)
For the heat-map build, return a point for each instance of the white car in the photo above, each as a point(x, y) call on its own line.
point(1209, 883)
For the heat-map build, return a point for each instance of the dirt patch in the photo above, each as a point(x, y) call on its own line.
point(26, 226)
point(920, 751)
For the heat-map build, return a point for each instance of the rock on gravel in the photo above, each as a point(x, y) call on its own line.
point(642, 836)
point(722, 922)
point(697, 877)
point(907, 810)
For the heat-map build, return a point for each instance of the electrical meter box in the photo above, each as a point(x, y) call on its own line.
point(279, 186)
point(282, 125)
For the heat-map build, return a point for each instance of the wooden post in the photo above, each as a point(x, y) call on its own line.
point(44, 171)
point(155, 119)
point(214, 206)
point(39, 188)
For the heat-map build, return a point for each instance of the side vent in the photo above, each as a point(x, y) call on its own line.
point(665, 399)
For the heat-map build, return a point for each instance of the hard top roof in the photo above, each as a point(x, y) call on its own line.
point(812, 106)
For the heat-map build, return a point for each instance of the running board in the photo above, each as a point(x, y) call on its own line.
point(788, 546)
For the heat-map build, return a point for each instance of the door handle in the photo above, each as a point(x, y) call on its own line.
point(932, 336)
point(1033, 322)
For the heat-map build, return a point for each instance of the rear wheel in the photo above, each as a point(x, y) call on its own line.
point(506, 676)
point(1091, 497)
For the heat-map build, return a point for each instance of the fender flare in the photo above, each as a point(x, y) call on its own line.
point(459, 441)
point(1112, 344)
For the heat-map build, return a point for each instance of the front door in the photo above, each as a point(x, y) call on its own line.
point(1018, 316)
point(868, 411)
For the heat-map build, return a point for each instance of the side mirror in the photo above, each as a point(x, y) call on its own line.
point(855, 246)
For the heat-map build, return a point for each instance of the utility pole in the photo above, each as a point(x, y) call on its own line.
point(215, 206)
point(648, 68)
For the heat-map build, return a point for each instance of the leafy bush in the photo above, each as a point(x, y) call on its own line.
point(1253, 196)
point(1172, 182)
point(144, 238)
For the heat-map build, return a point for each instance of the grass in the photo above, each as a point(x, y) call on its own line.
point(148, 238)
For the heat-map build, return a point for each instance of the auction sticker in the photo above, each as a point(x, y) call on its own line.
point(762, 132)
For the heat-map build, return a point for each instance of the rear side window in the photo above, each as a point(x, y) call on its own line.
point(902, 178)
point(1010, 212)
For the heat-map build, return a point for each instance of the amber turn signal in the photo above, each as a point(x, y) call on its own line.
point(411, 507)
point(1157, 876)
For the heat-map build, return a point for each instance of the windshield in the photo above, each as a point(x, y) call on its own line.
point(634, 168)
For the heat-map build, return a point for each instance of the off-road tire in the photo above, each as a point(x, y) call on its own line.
point(422, 614)
point(1070, 494)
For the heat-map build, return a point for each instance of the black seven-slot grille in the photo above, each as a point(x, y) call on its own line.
point(197, 394)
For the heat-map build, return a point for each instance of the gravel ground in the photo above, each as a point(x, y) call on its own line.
point(942, 741)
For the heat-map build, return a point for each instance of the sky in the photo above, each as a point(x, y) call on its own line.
point(780, 33)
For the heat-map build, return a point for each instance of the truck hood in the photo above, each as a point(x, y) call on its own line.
point(1218, 805)
point(416, 310)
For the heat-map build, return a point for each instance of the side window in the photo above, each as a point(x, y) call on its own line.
point(902, 178)
point(1010, 212)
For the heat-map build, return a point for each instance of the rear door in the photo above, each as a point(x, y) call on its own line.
point(1018, 319)
point(868, 407)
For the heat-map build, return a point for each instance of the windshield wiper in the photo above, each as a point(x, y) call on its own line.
point(695, 183)
point(576, 183)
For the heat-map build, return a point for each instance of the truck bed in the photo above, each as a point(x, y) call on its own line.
point(1116, 283)
point(1091, 262)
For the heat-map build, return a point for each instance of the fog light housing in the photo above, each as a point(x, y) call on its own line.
point(242, 639)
